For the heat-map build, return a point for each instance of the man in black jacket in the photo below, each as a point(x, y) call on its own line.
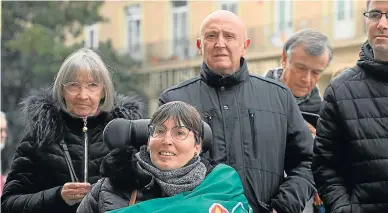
point(351, 150)
point(305, 56)
point(257, 126)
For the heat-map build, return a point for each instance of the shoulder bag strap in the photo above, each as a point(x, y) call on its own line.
point(133, 198)
point(68, 162)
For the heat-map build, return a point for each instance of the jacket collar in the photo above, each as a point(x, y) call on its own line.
point(228, 81)
point(75, 124)
point(370, 65)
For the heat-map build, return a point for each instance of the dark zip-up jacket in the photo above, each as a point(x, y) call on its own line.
point(257, 129)
point(351, 147)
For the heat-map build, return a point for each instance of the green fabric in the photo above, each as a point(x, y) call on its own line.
point(221, 188)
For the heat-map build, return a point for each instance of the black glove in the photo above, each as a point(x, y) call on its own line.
point(120, 166)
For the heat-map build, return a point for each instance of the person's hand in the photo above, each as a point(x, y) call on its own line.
point(73, 193)
point(312, 130)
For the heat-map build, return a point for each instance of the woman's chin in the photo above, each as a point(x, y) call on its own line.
point(82, 113)
point(165, 166)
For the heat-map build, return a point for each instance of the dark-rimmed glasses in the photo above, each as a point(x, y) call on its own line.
point(375, 15)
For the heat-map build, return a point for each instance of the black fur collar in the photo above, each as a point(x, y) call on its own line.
point(45, 120)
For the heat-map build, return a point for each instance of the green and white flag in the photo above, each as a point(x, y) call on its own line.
point(220, 192)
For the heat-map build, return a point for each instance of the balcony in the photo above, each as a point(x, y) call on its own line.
point(264, 40)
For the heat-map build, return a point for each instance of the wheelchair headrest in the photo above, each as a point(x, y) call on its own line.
point(122, 132)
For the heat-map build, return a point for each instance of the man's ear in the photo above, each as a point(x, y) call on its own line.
point(247, 43)
point(284, 59)
point(199, 46)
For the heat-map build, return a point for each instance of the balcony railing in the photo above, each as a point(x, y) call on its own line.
point(263, 38)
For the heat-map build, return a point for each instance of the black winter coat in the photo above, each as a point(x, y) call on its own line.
point(39, 169)
point(120, 178)
point(351, 148)
point(258, 130)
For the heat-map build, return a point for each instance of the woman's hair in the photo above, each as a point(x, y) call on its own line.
point(182, 114)
point(88, 60)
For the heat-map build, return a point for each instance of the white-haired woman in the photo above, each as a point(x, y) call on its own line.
point(48, 171)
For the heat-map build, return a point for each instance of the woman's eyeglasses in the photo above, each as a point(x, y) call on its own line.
point(179, 133)
point(75, 87)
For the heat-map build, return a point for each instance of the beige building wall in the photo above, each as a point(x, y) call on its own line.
point(156, 30)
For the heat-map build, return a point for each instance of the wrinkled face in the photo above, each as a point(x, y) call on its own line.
point(3, 133)
point(301, 72)
point(223, 42)
point(83, 95)
point(167, 152)
point(377, 29)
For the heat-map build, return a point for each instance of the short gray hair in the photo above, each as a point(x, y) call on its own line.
point(367, 4)
point(88, 60)
point(315, 43)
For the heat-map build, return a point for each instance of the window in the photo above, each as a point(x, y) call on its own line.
point(282, 22)
point(133, 38)
point(283, 15)
point(179, 35)
point(229, 5)
point(343, 19)
point(91, 36)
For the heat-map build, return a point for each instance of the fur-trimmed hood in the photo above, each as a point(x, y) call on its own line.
point(44, 119)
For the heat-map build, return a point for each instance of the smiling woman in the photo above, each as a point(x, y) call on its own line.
point(169, 167)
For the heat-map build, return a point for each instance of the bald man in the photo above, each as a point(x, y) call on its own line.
point(256, 123)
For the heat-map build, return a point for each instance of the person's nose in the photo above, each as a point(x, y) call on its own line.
point(383, 23)
point(221, 42)
point(306, 77)
point(168, 138)
point(83, 93)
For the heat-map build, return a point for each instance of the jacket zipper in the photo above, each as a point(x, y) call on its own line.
point(209, 120)
point(253, 131)
point(86, 150)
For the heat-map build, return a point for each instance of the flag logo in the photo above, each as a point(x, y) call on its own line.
point(217, 208)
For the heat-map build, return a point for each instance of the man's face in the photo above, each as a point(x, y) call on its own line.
point(377, 29)
point(223, 42)
point(301, 72)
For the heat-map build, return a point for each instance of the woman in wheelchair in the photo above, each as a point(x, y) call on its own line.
point(167, 174)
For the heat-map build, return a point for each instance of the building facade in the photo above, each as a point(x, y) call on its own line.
point(161, 35)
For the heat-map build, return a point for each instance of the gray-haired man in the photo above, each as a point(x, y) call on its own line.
point(305, 56)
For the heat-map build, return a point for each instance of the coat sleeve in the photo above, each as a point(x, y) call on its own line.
point(20, 193)
point(297, 187)
point(90, 202)
point(327, 162)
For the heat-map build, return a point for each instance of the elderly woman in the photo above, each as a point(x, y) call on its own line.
point(168, 167)
point(48, 171)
